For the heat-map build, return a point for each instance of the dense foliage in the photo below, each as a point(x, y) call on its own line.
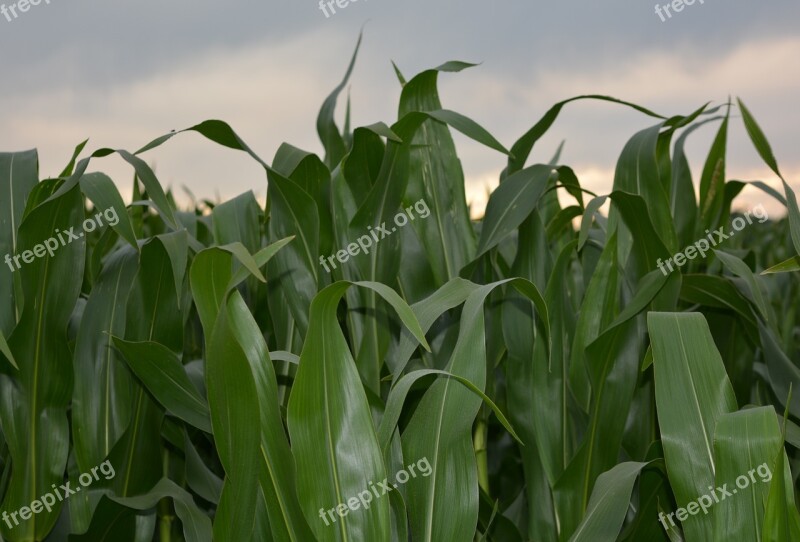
point(361, 361)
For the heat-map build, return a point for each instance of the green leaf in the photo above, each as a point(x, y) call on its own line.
point(101, 400)
point(599, 305)
point(609, 504)
point(198, 476)
point(427, 311)
point(744, 449)
point(34, 401)
point(329, 422)
point(233, 402)
point(162, 373)
point(781, 519)
point(326, 126)
point(740, 269)
point(783, 373)
point(295, 270)
point(196, 525)
point(19, 174)
point(521, 150)
point(439, 430)
point(511, 203)
point(6, 351)
point(277, 473)
point(104, 194)
point(435, 177)
point(400, 391)
point(718, 292)
point(156, 192)
point(588, 215)
point(692, 394)
point(712, 181)
point(468, 127)
point(68, 169)
point(765, 151)
point(790, 265)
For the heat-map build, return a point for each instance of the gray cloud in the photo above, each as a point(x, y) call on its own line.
point(122, 73)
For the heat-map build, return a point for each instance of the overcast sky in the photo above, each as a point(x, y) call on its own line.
point(122, 73)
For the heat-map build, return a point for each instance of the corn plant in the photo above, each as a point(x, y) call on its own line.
point(360, 360)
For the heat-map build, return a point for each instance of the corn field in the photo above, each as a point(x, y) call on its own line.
point(360, 360)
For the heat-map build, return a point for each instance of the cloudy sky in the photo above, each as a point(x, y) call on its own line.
point(122, 73)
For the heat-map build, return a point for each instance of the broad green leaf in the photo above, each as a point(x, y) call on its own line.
point(277, 473)
point(613, 361)
point(439, 430)
point(162, 373)
point(599, 306)
point(608, 505)
point(692, 394)
point(101, 399)
point(638, 173)
point(329, 423)
point(296, 269)
point(537, 394)
point(19, 173)
point(436, 178)
point(34, 401)
point(212, 276)
point(313, 176)
point(99, 188)
point(238, 220)
point(153, 314)
point(363, 163)
point(511, 203)
point(234, 406)
point(744, 450)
